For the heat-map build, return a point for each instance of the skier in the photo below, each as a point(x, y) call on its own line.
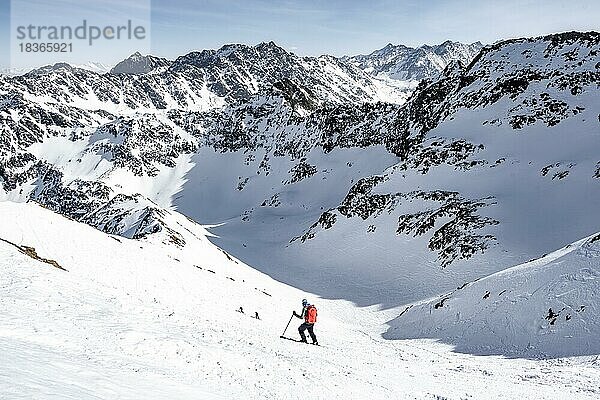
point(309, 313)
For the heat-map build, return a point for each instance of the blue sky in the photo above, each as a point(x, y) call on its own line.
point(354, 26)
point(4, 32)
point(312, 27)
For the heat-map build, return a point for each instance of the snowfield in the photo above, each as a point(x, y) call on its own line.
point(543, 308)
point(134, 319)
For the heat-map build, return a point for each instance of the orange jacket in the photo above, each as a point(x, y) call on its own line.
point(309, 313)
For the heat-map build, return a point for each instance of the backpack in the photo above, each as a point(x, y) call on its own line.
point(311, 314)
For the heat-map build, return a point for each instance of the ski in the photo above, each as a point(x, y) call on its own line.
point(298, 341)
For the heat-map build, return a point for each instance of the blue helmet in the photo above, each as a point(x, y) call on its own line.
point(304, 302)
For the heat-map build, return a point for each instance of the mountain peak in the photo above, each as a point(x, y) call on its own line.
point(270, 43)
point(407, 63)
point(137, 64)
point(48, 69)
point(270, 46)
point(232, 52)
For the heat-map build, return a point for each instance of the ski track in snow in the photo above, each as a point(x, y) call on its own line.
point(136, 319)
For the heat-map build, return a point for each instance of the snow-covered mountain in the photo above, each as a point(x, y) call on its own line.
point(368, 202)
point(10, 71)
point(138, 64)
point(414, 64)
point(92, 66)
point(313, 180)
point(86, 315)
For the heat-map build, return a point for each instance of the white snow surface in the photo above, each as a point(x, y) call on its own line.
point(544, 308)
point(138, 319)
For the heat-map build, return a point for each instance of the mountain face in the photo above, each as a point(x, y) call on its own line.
point(406, 63)
point(197, 81)
point(239, 72)
point(137, 64)
point(315, 180)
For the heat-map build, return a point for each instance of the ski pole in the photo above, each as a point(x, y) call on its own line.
point(288, 324)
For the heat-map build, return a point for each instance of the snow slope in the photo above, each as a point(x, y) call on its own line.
point(136, 319)
point(544, 308)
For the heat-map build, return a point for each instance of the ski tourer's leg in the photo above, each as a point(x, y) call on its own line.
point(311, 333)
point(301, 329)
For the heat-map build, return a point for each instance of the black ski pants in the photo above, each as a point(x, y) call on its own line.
point(306, 326)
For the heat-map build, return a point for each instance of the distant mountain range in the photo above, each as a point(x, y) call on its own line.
point(389, 74)
point(97, 67)
point(406, 63)
point(393, 61)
